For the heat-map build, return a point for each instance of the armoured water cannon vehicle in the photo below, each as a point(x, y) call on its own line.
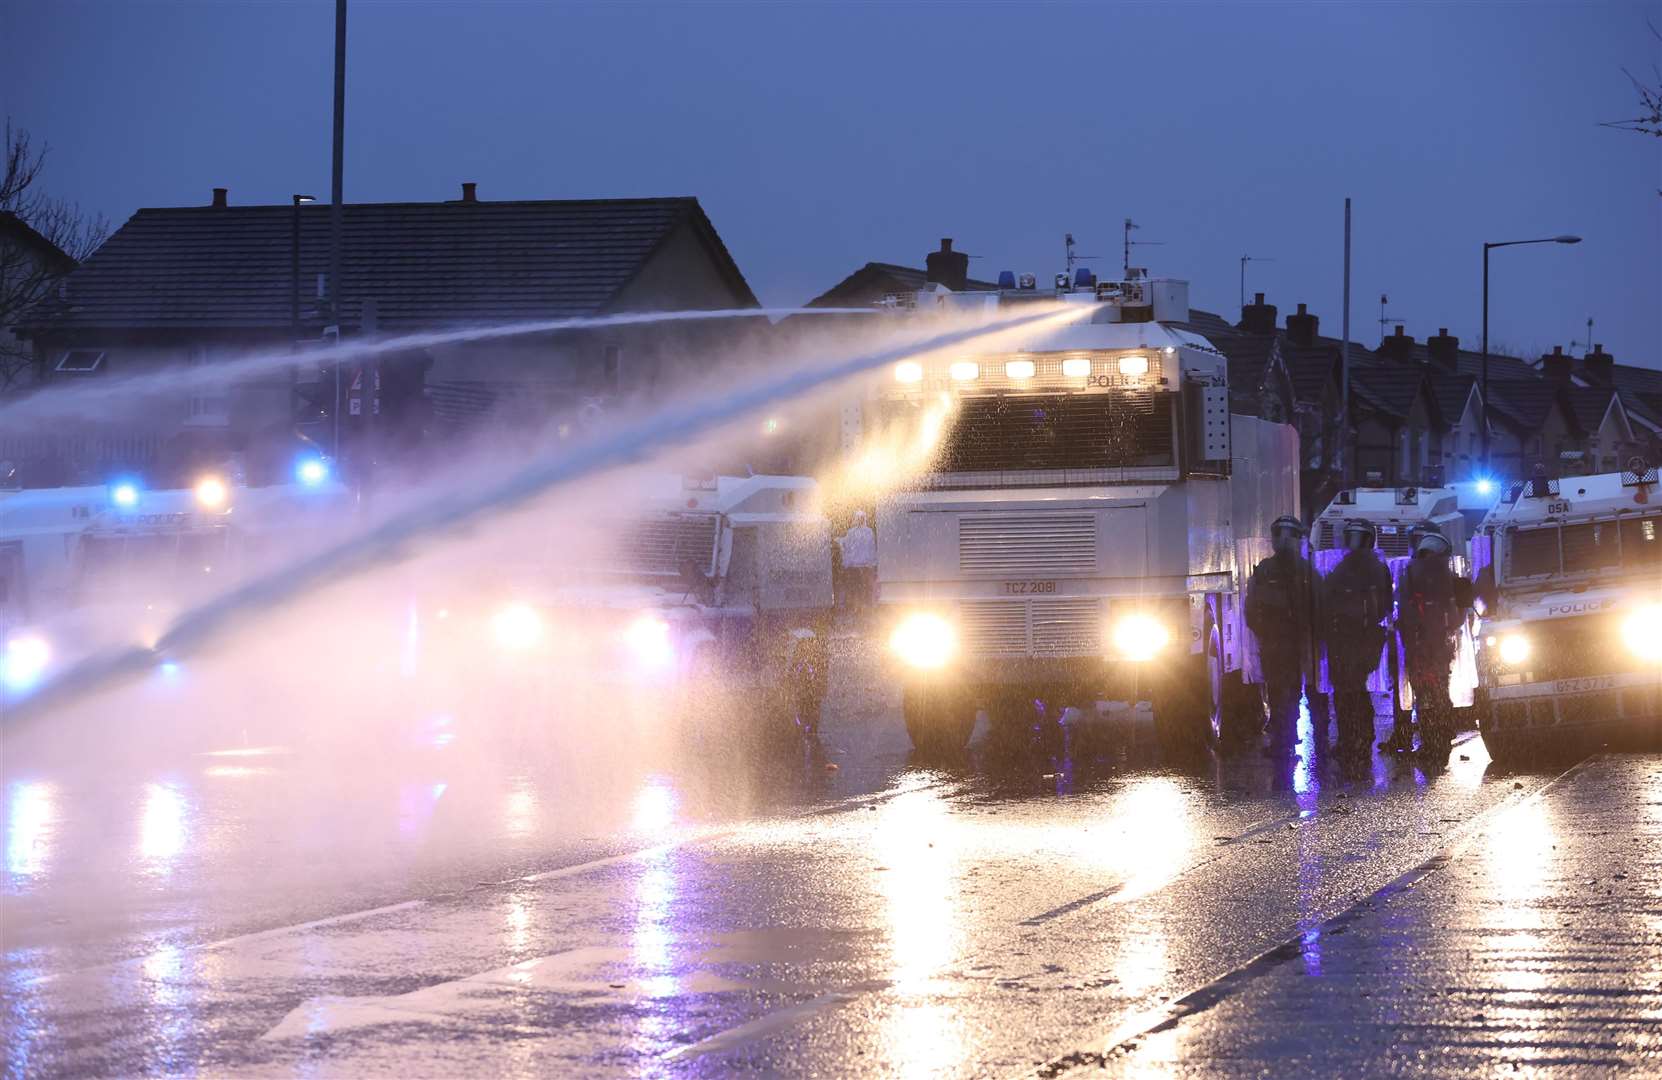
point(1571, 648)
point(1394, 513)
point(712, 597)
point(1084, 525)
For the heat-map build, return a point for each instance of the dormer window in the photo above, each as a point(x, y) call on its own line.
point(80, 361)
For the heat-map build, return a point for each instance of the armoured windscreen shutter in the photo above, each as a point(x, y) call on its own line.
point(1209, 423)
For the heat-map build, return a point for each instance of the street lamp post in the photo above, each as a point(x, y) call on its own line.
point(294, 269)
point(1484, 379)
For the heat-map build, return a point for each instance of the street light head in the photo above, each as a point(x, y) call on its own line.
point(305, 198)
point(1566, 239)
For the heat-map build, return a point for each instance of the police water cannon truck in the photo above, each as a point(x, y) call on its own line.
point(1394, 513)
point(1571, 648)
point(1087, 522)
point(713, 600)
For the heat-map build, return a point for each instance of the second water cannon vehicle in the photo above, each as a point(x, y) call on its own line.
point(1571, 649)
point(716, 587)
point(1394, 513)
point(1086, 522)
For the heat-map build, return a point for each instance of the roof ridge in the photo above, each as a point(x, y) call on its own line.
point(320, 205)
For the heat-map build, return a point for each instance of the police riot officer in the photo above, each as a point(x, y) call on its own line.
point(1355, 606)
point(1278, 612)
point(1428, 619)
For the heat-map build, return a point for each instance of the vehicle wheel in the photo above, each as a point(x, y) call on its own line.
point(1183, 704)
point(937, 721)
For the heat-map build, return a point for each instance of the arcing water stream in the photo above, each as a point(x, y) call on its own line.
point(66, 401)
point(389, 539)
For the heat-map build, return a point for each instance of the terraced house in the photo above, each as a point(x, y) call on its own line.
point(208, 284)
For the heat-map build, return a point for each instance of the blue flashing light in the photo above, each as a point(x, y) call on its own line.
point(124, 494)
point(170, 668)
point(1082, 277)
point(1006, 279)
point(1485, 486)
point(311, 471)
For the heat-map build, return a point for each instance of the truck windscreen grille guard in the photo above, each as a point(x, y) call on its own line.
point(659, 546)
point(1631, 543)
point(1046, 432)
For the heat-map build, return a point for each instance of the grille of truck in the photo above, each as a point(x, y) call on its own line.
point(1393, 545)
point(1018, 545)
point(1059, 431)
point(1064, 626)
point(1570, 648)
point(660, 545)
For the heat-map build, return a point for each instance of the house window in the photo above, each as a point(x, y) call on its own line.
point(80, 361)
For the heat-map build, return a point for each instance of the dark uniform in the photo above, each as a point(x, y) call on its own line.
point(1428, 618)
point(1279, 599)
point(1355, 605)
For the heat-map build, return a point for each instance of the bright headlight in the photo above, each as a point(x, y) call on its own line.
point(648, 638)
point(964, 370)
point(517, 627)
point(908, 371)
point(1139, 637)
point(924, 640)
point(1642, 631)
point(23, 662)
point(1133, 365)
point(1020, 369)
point(1514, 648)
point(1076, 367)
point(211, 492)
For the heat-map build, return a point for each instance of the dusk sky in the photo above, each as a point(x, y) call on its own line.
point(820, 137)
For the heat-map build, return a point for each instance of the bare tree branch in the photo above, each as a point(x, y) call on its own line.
point(28, 272)
point(1649, 120)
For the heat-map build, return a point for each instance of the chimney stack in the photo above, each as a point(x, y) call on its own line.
point(219, 197)
point(470, 191)
point(1444, 350)
point(1301, 327)
point(1555, 365)
point(1599, 366)
point(1258, 317)
point(1397, 348)
point(947, 267)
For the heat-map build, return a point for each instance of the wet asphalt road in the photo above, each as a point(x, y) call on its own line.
point(436, 909)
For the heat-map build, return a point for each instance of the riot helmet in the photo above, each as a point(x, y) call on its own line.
point(1286, 535)
point(1359, 535)
point(1433, 543)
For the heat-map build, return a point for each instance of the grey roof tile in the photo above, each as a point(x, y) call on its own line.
point(425, 264)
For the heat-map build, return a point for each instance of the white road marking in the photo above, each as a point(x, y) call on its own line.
point(761, 1027)
point(333, 920)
